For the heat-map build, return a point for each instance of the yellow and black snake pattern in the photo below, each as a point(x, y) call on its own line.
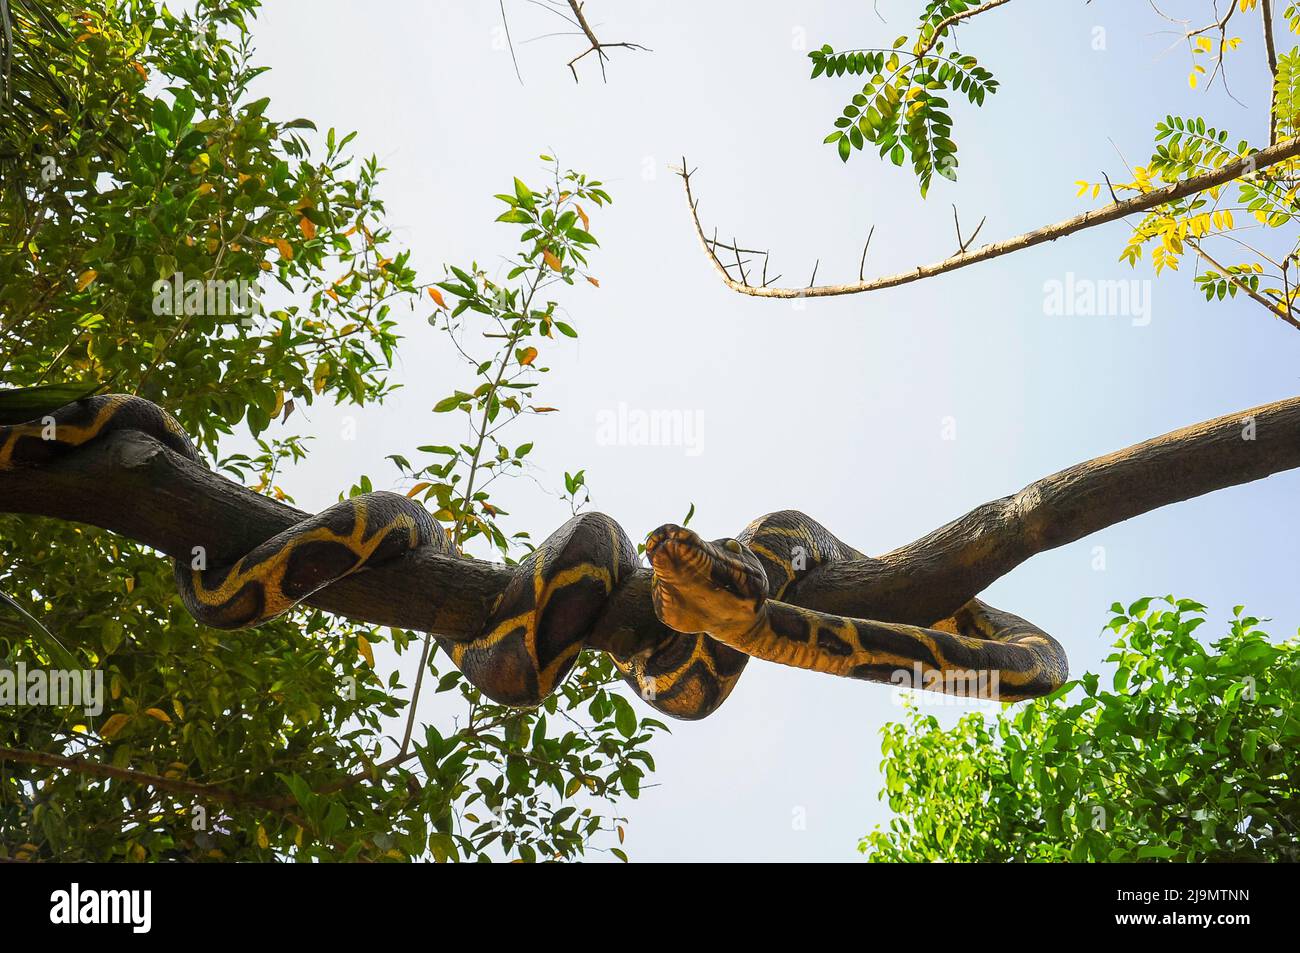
point(720, 599)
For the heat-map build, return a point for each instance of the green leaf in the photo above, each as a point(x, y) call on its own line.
point(524, 195)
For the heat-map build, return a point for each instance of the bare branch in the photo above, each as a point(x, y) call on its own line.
point(1271, 51)
point(597, 46)
point(1265, 158)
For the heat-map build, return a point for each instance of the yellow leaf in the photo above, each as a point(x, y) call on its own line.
point(417, 489)
point(144, 73)
point(367, 653)
point(1204, 44)
point(114, 724)
point(86, 279)
point(286, 250)
point(322, 374)
point(297, 837)
point(551, 260)
point(158, 713)
point(307, 227)
point(586, 225)
point(262, 840)
point(130, 584)
point(436, 295)
point(528, 355)
point(178, 708)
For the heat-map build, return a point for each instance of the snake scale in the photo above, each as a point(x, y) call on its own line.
point(720, 599)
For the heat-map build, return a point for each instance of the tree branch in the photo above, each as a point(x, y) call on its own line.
point(597, 46)
point(942, 26)
point(1265, 158)
point(108, 772)
point(1271, 51)
point(129, 484)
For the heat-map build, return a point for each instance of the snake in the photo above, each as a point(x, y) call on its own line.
point(720, 601)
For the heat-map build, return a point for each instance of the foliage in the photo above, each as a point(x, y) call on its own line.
point(554, 242)
point(132, 152)
point(1191, 755)
point(900, 109)
point(1187, 146)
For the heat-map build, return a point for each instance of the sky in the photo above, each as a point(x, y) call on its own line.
point(882, 415)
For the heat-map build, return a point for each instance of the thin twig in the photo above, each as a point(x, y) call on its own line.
point(863, 264)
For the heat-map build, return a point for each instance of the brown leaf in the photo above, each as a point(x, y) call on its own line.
point(436, 295)
point(114, 724)
point(307, 227)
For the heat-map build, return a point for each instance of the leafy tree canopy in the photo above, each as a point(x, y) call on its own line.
point(134, 155)
point(1189, 755)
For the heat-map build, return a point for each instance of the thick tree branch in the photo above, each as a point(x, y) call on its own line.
point(129, 484)
point(934, 575)
point(1265, 158)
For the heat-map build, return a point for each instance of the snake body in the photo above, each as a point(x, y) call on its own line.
point(720, 600)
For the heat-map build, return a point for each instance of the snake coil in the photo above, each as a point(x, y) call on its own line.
point(720, 599)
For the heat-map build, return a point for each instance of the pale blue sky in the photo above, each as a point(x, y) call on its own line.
point(836, 408)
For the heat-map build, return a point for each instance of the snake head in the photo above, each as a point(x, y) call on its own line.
point(716, 586)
